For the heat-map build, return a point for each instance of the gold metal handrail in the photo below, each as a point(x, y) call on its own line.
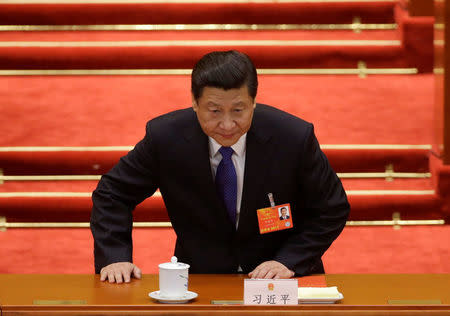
point(355, 26)
point(359, 71)
point(4, 225)
point(342, 175)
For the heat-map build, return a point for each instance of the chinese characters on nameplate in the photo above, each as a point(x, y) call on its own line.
point(270, 292)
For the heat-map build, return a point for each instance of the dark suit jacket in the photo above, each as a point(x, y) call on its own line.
point(282, 157)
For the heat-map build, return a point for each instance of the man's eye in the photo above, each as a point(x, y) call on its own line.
point(214, 111)
point(237, 110)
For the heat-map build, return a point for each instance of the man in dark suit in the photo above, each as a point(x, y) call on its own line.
point(215, 164)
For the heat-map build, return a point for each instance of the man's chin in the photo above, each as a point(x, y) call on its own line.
point(226, 142)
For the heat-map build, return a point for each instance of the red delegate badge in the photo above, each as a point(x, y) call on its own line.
point(274, 218)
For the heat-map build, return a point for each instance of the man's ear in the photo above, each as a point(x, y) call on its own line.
point(254, 103)
point(194, 104)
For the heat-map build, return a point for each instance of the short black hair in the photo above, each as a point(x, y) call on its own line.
point(225, 70)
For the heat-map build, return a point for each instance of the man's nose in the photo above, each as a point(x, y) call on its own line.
point(227, 123)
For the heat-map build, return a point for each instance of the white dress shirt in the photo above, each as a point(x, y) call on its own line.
point(238, 159)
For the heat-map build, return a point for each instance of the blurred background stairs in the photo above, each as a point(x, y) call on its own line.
point(79, 79)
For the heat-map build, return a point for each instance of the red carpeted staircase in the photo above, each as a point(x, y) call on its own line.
point(354, 119)
point(79, 81)
point(404, 42)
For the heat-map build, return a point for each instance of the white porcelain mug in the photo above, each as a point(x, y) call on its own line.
point(173, 278)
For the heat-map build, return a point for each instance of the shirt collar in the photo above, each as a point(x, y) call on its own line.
point(238, 147)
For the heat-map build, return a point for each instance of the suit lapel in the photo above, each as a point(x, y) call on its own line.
point(259, 154)
point(198, 146)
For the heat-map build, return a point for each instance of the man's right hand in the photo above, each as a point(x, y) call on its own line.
point(120, 272)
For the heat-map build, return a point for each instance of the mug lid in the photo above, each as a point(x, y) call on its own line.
point(174, 264)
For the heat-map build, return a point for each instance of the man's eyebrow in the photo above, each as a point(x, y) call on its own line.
point(211, 103)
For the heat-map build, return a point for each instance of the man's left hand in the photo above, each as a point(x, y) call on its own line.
point(271, 270)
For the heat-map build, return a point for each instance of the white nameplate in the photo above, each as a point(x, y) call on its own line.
point(270, 292)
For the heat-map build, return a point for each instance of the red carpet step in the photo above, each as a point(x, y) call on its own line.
point(298, 12)
point(410, 46)
point(180, 35)
point(184, 54)
point(70, 201)
point(356, 250)
point(97, 161)
point(113, 110)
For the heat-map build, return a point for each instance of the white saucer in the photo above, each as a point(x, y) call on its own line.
point(173, 300)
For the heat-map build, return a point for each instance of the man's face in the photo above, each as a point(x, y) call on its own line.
point(225, 115)
point(283, 212)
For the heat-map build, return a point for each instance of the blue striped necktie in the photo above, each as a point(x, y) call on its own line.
point(226, 182)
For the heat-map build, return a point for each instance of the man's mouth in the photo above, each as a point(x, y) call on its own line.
point(227, 135)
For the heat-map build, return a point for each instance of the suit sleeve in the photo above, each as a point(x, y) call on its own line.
point(127, 184)
point(322, 213)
